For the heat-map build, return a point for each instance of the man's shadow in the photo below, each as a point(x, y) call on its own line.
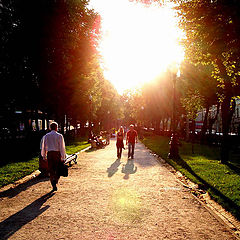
point(113, 168)
point(128, 169)
point(13, 223)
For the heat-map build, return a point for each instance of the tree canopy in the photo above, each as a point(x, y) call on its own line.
point(49, 60)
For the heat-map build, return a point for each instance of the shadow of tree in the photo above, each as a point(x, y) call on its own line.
point(12, 192)
point(205, 185)
point(13, 223)
point(234, 167)
point(128, 169)
point(93, 149)
point(113, 168)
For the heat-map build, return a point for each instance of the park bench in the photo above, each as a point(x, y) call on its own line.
point(93, 144)
point(70, 158)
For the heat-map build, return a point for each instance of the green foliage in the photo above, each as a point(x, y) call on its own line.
point(68, 52)
point(133, 106)
point(192, 103)
point(212, 35)
point(48, 53)
point(198, 77)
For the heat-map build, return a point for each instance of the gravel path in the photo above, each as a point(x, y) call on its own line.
point(108, 199)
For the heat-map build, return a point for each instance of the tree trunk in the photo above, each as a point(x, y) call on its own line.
point(187, 129)
point(171, 125)
point(48, 123)
point(26, 121)
point(204, 127)
point(36, 120)
point(226, 111)
point(62, 124)
point(225, 129)
point(157, 126)
point(43, 121)
point(163, 125)
point(193, 135)
point(211, 121)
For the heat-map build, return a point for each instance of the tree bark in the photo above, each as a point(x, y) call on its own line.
point(226, 111)
point(187, 129)
point(225, 129)
point(36, 120)
point(211, 121)
point(204, 127)
point(193, 135)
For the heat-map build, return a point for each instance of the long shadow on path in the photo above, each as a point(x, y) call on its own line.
point(113, 168)
point(13, 223)
point(128, 169)
point(12, 192)
point(142, 157)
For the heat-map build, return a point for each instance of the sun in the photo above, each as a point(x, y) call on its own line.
point(138, 42)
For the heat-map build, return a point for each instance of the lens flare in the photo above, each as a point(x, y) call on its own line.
point(138, 42)
point(126, 206)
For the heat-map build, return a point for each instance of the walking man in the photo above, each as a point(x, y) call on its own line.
point(53, 151)
point(131, 140)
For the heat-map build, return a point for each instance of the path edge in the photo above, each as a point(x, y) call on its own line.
point(203, 198)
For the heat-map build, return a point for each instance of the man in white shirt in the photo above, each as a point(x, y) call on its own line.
point(53, 151)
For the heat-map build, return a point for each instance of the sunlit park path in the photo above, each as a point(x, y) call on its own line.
point(107, 199)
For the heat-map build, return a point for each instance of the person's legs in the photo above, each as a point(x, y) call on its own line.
point(120, 152)
point(54, 159)
point(129, 150)
point(132, 152)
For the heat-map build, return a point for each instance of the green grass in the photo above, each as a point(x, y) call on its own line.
point(76, 147)
point(12, 172)
point(15, 171)
point(204, 168)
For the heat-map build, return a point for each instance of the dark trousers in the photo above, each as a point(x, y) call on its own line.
point(131, 150)
point(119, 152)
point(54, 159)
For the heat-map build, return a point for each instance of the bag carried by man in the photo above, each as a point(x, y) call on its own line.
point(63, 170)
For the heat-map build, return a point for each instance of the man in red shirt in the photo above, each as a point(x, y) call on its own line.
point(131, 140)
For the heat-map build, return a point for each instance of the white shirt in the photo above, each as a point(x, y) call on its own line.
point(53, 141)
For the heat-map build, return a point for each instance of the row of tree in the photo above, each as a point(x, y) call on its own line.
point(49, 62)
point(212, 50)
point(210, 73)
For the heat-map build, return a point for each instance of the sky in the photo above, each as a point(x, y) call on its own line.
point(138, 43)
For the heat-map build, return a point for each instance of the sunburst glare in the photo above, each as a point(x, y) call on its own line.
point(138, 42)
point(126, 205)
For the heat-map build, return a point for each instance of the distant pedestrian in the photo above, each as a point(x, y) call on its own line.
point(53, 150)
point(131, 140)
point(108, 135)
point(120, 144)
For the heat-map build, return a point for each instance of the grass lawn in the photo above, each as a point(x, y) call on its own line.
point(14, 171)
point(204, 168)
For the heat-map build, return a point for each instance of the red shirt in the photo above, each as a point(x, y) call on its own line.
point(131, 136)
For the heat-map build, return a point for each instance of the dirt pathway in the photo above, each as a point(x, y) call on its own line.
point(108, 199)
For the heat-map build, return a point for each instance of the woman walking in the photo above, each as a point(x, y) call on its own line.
point(119, 144)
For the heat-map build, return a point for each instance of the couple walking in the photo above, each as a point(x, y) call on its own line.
point(131, 139)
